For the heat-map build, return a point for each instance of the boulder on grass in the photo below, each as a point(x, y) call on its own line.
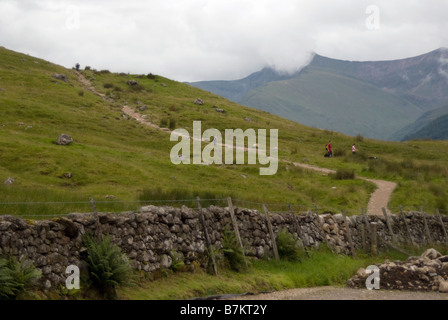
point(64, 140)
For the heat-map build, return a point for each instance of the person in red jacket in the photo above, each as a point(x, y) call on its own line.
point(330, 149)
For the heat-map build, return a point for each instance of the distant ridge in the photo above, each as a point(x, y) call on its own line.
point(235, 90)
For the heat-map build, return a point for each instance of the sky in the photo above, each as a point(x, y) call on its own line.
point(194, 40)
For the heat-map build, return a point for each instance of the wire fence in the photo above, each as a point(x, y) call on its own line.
point(52, 209)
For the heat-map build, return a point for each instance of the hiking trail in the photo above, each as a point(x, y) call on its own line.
point(379, 199)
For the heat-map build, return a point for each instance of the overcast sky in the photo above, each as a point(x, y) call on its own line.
point(191, 40)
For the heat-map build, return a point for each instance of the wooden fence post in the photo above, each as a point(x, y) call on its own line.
point(235, 226)
point(373, 240)
point(271, 233)
point(443, 226)
point(363, 237)
point(389, 225)
point(408, 231)
point(234, 222)
point(349, 234)
point(207, 238)
point(365, 230)
point(428, 234)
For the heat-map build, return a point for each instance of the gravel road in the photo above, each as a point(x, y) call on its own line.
point(342, 293)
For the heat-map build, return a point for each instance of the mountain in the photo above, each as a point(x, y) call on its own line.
point(373, 98)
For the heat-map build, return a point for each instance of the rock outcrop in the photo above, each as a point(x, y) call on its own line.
point(424, 273)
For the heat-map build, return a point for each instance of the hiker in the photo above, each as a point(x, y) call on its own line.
point(77, 66)
point(329, 149)
point(354, 149)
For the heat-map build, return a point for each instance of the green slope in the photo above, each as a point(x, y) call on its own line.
point(114, 155)
point(435, 130)
point(424, 123)
point(328, 100)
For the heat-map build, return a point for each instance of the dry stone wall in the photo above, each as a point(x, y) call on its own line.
point(150, 236)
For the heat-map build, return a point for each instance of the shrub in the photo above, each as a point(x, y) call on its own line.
point(108, 85)
point(151, 76)
point(164, 123)
point(108, 265)
point(287, 246)
point(171, 197)
point(136, 88)
point(408, 164)
point(16, 277)
point(233, 252)
point(172, 125)
point(344, 174)
point(339, 153)
point(177, 264)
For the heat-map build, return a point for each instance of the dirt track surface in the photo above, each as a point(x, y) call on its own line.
point(341, 293)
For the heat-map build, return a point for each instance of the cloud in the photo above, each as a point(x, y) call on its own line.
point(189, 40)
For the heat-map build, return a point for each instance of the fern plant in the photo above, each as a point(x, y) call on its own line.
point(233, 252)
point(16, 276)
point(108, 266)
point(287, 246)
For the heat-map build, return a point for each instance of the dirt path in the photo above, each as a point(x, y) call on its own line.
point(137, 116)
point(380, 197)
point(378, 200)
point(340, 293)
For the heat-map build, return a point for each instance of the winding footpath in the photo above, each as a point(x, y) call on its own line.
point(379, 199)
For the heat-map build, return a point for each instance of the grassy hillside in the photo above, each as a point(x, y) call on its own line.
point(115, 155)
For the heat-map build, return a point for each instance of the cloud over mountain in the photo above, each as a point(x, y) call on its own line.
point(193, 40)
